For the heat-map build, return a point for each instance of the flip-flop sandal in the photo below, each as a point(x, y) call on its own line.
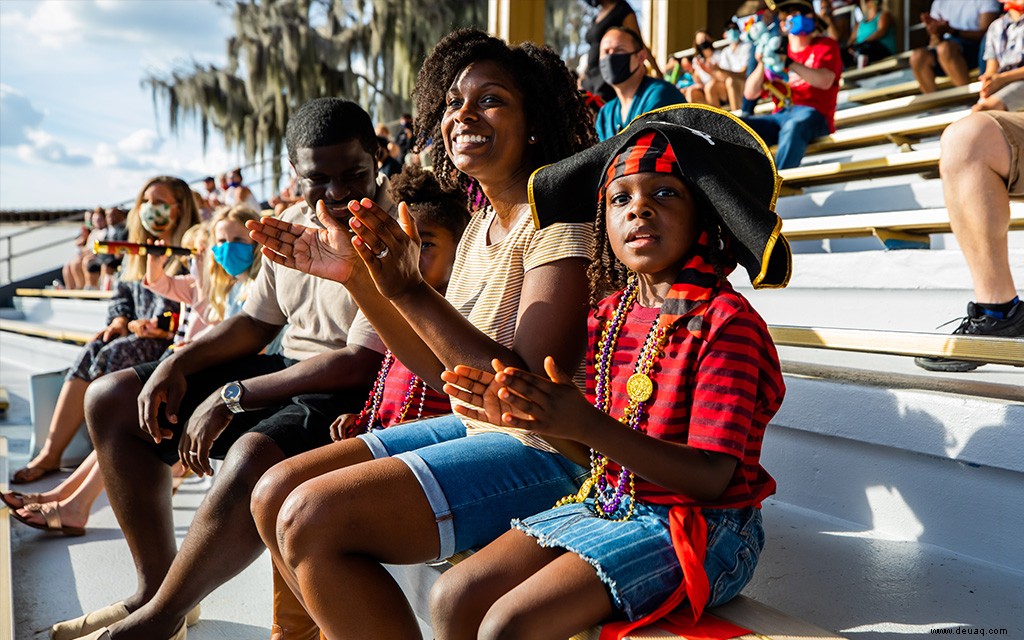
point(31, 474)
point(26, 499)
point(51, 514)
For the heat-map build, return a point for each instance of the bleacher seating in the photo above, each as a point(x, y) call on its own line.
point(828, 403)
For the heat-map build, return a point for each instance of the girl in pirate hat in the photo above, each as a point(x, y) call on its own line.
point(682, 379)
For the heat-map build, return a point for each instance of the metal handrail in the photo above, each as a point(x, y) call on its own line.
point(47, 223)
point(8, 259)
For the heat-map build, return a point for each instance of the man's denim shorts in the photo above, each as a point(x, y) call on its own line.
point(476, 484)
point(635, 558)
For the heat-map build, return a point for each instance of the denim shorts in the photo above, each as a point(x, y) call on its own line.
point(635, 558)
point(476, 484)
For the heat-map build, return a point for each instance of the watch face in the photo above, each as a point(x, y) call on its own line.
point(232, 392)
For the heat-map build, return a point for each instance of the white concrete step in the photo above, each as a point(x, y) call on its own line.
point(79, 315)
point(908, 290)
point(905, 463)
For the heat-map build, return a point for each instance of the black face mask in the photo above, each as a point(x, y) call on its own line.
point(704, 46)
point(594, 3)
point(615, 68)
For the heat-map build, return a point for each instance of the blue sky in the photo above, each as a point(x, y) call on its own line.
point(76, 126)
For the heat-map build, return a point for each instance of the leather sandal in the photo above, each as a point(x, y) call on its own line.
point(98, 621)
point(26, 499)
point(26, 475)
point(51, 514)
point(104, 634)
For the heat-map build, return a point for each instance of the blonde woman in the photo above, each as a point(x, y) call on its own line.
point(218, 296)
point(163, 210)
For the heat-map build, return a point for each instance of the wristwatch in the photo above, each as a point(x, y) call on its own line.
point(231, 394)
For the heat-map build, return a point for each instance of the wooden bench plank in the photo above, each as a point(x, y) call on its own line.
point(60, 335)
point(833, 172)
point(77, 294)
point(907, 105)
point(910, 87)
point(859, 225)
point(896, 131)
point(892, 63)
point(903, 343)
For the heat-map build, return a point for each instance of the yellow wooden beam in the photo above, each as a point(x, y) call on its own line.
point(903, 343)
point(79, 294)
point(38, 331)
point(516, 20)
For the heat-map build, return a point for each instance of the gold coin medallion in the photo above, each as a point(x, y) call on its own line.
point(639, 387)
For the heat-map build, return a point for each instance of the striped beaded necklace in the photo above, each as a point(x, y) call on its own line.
point(639, 387)
point(369, 417)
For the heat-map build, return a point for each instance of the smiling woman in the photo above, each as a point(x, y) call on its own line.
point(496, 114)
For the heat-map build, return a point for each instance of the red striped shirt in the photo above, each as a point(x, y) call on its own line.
point(396, 387)
point(715, 391)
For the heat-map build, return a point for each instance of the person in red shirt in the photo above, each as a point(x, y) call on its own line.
point(682, 380)
point(808, 106)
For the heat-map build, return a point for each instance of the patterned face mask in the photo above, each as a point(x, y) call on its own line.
point(155, 218)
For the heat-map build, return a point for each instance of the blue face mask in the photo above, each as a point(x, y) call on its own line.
point(235, 257)
point(800, 25)
point(732, 35)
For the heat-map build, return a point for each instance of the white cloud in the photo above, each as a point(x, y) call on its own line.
point(53, 23)
point(60, 24)
point(19, 117)
point(43, 147)
point(143, 141)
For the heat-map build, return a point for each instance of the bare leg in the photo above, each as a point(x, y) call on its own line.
point(558, 601)
point(70, 484)
point(68, 415)
point(334, 532)
point(138, 482)
point(462, 595)
point(74, 509)
point(221, 541)
point(90, 279)
point(951, 59)
point(695, 94)
point(922, 62)
point(77, 276)
point(734, 89)
point(67, 276)
point(284, 477)
point(974, 166)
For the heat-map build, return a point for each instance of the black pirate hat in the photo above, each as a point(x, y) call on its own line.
point(720, 157)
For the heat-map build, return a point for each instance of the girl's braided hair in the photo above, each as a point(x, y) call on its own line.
point(607, 274)
point(556, 113)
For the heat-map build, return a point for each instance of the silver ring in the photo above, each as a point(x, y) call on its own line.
point(383, 254)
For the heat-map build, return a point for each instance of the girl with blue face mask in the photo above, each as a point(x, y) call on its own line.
point(235, 261)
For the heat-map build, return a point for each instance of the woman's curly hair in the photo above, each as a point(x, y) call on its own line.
point(556, 113)
point(606, 273)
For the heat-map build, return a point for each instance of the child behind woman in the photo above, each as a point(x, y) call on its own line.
point(682, 379)
point(398, 395)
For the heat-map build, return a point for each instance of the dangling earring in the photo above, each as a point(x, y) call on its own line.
point(532, 139)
